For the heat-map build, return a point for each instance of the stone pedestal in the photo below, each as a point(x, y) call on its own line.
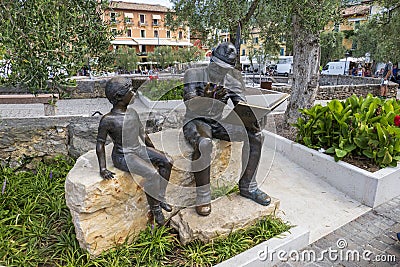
point(228, 214)
point(107, 212)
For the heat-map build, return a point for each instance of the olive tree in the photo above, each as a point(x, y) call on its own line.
point(189, 54)
point(331, 46)
point(207, 18)
point(163, 55)
point(51, 39)
point(300, 22)
point(126, 59)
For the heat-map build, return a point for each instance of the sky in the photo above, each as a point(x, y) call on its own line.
point(166, 3)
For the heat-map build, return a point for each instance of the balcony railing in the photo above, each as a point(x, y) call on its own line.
point(142, 23)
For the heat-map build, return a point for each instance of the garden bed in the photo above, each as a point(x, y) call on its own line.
point(371, 189)
point(161, 104)
point(37, 230)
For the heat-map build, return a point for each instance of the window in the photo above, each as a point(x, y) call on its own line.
point(243, 52)
point(142, 33)
point(113, 17)
point(282, 52)
point(143, 49)
point(129, 32)
point(128, 17)
point(168, 34)
point(156, 19)
point(114, 31)
point(142, 18)
point(156, 34)
point(180, 35)
point(255, 40)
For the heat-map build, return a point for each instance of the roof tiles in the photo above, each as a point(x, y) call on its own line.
point(137, 6)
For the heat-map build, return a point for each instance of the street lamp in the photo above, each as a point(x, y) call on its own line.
point(347, 54)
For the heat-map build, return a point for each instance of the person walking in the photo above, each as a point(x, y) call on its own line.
point(387, 74)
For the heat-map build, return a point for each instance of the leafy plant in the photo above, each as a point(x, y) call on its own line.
point(355, 127)
point(51, 40)
point(171, 89)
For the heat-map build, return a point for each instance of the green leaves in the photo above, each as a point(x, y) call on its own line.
point(157, 90)
point(357, 126)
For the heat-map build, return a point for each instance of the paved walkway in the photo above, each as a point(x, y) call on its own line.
point(369, 240)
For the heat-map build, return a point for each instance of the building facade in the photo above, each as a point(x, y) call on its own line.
point(143, 27)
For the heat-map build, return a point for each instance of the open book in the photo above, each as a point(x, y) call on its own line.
point(248, 114)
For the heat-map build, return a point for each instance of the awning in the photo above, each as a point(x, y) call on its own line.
point(152, 41)
point(124, 42)
point(129, 15)
point(180, 43)
point(156, 17)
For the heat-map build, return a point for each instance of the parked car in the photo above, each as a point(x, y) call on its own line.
point(336, 68)
point(284, 65)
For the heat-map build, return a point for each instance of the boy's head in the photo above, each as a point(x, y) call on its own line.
point(116, 88)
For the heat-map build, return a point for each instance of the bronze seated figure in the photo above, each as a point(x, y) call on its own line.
point(129, 154)
point(206, 93)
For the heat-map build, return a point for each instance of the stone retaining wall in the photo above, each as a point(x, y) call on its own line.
point(71, 135)
point(46, 137)
point(344, 91)
point(346, 80)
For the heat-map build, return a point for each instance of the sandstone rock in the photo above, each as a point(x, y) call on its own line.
point(228, 213)
point(108, 212)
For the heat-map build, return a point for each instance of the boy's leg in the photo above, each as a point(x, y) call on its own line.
point(143, 167)
point(164, 165)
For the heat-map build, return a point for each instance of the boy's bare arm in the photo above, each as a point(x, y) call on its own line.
point(145, 138)
point(101, 152)
point(101, 157)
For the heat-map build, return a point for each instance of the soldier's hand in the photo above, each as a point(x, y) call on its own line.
point(255, 128)
point(106, 174)
point(214, 91)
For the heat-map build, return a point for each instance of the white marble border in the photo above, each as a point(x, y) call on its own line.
point(294, 239)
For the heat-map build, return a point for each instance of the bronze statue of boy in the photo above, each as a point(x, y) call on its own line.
point(128, 153)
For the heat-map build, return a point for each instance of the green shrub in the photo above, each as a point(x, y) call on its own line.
point(155, 90)
point(355, 127)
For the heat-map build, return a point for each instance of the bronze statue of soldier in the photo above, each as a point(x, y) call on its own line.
point(206, 93)
point(130, 154)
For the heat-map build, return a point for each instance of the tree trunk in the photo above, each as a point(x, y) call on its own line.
point(306, 51)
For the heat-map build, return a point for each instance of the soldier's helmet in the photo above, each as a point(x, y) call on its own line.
point(225, 52)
